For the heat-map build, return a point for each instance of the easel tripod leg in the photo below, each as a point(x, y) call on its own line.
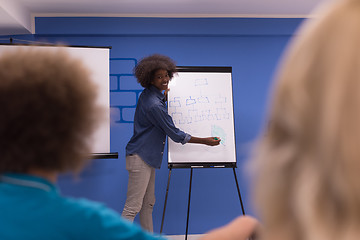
point(188, 210)
point(166, 196)
point(238, 189)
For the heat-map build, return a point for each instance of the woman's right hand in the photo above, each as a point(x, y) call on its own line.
point(210, 141)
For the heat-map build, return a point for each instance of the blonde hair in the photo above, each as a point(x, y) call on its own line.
point(307, 167)
point(48, 111)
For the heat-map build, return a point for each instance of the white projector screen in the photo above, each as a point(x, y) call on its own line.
point(96, 59)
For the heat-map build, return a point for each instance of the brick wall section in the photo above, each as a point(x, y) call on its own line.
point(124, 89)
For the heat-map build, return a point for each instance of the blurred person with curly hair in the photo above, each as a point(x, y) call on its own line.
point(48, 114)
point(152, 124)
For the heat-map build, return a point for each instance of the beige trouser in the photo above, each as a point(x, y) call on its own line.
point(140, 196)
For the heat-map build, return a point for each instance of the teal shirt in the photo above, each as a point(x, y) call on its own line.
point(31, 208)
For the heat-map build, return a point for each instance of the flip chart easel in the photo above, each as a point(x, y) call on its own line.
point(200, 102)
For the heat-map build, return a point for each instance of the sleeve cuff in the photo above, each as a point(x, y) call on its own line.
point(186, 139)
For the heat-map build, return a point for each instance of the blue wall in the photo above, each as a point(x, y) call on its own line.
point(252, 48)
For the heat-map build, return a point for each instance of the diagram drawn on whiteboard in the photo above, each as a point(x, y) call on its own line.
point(198, 107)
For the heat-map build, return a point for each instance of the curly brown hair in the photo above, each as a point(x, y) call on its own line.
point(146, 68)
point(48, 111)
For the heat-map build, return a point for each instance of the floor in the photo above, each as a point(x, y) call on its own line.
point(182, 237)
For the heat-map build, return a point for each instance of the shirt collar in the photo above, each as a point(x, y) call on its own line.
point(157, 92)
point(26, 180)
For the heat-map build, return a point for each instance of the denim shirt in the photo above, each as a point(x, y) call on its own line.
point(151, 125)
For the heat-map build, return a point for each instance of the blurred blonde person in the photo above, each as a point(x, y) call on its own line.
point(307, 170)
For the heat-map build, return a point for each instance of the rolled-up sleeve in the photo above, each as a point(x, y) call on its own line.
point(159, 117)
point(187, 138)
